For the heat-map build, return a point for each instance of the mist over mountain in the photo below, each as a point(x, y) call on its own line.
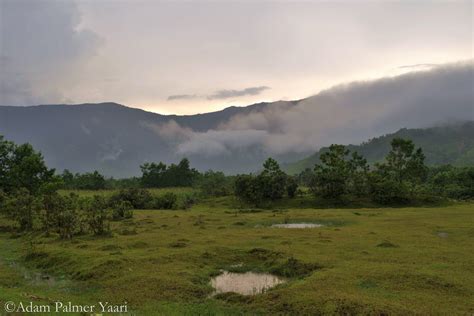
point(116, 139)
point(113, 138)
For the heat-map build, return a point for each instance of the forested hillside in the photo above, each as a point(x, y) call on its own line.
point(448, 144)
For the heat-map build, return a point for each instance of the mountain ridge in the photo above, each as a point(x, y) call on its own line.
point(445, 144)
point(113, 138)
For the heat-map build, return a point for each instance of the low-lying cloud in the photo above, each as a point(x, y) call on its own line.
point(348, 113)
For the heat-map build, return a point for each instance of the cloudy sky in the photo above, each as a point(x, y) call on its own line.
point(190, 57)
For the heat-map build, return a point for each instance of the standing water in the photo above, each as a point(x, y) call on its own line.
point(248, 283)
point(297, 225)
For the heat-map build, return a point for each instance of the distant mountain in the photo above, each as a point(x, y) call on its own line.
point(447, 144)
point(116, 139)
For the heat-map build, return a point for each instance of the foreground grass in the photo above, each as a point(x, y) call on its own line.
point(370, 261)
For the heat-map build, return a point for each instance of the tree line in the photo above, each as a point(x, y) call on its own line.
point(344, 176)
point(402, 177)
point(154, 175)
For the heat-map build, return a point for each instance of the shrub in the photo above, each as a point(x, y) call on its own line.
point(52, 205)
point(138, 198)
point(22, 207)
point(97, 215)
point(122, 210)
point(166, 201)
point(67, 223)
point(186, 201)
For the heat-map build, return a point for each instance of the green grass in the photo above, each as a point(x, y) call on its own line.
point(165, 268)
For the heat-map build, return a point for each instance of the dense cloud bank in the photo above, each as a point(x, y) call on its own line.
point(348, 113)
point(41, 47)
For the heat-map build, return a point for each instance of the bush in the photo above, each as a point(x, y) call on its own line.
point(186, 201)
point(22, 207)
point(67, 221)
point(138, 198)
point(166, 201)
point(122, 210)
point(97, 215)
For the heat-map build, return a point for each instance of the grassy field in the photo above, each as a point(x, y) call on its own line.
point(363, 261)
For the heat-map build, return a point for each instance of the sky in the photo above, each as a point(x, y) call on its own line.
point(193, 57)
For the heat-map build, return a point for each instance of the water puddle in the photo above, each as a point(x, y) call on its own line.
point(36, 278)
point(443, 234)
point(297, 225)
point(248, 283)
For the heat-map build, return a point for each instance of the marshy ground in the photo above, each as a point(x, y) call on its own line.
point(360, 261)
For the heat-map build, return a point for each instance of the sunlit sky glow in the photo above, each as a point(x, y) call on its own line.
point(194, 57)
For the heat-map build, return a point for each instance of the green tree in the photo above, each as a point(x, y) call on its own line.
point(68, 179)
point(214, 183)
point(272, 180)
point(22, 167)
point(89, 181)
point(291, 187)
point(268, 185)
point(153, 174)
point(246, 189)
point(452, 182)
point(306, 177)
point(357, 181)
point(403, 162)
point(331, 176)
point(159, 175)
point(396, 179)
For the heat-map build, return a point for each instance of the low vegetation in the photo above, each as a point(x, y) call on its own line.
point(81, 234)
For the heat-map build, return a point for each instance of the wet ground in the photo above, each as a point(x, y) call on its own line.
point(248, 283)
point(298, 225)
